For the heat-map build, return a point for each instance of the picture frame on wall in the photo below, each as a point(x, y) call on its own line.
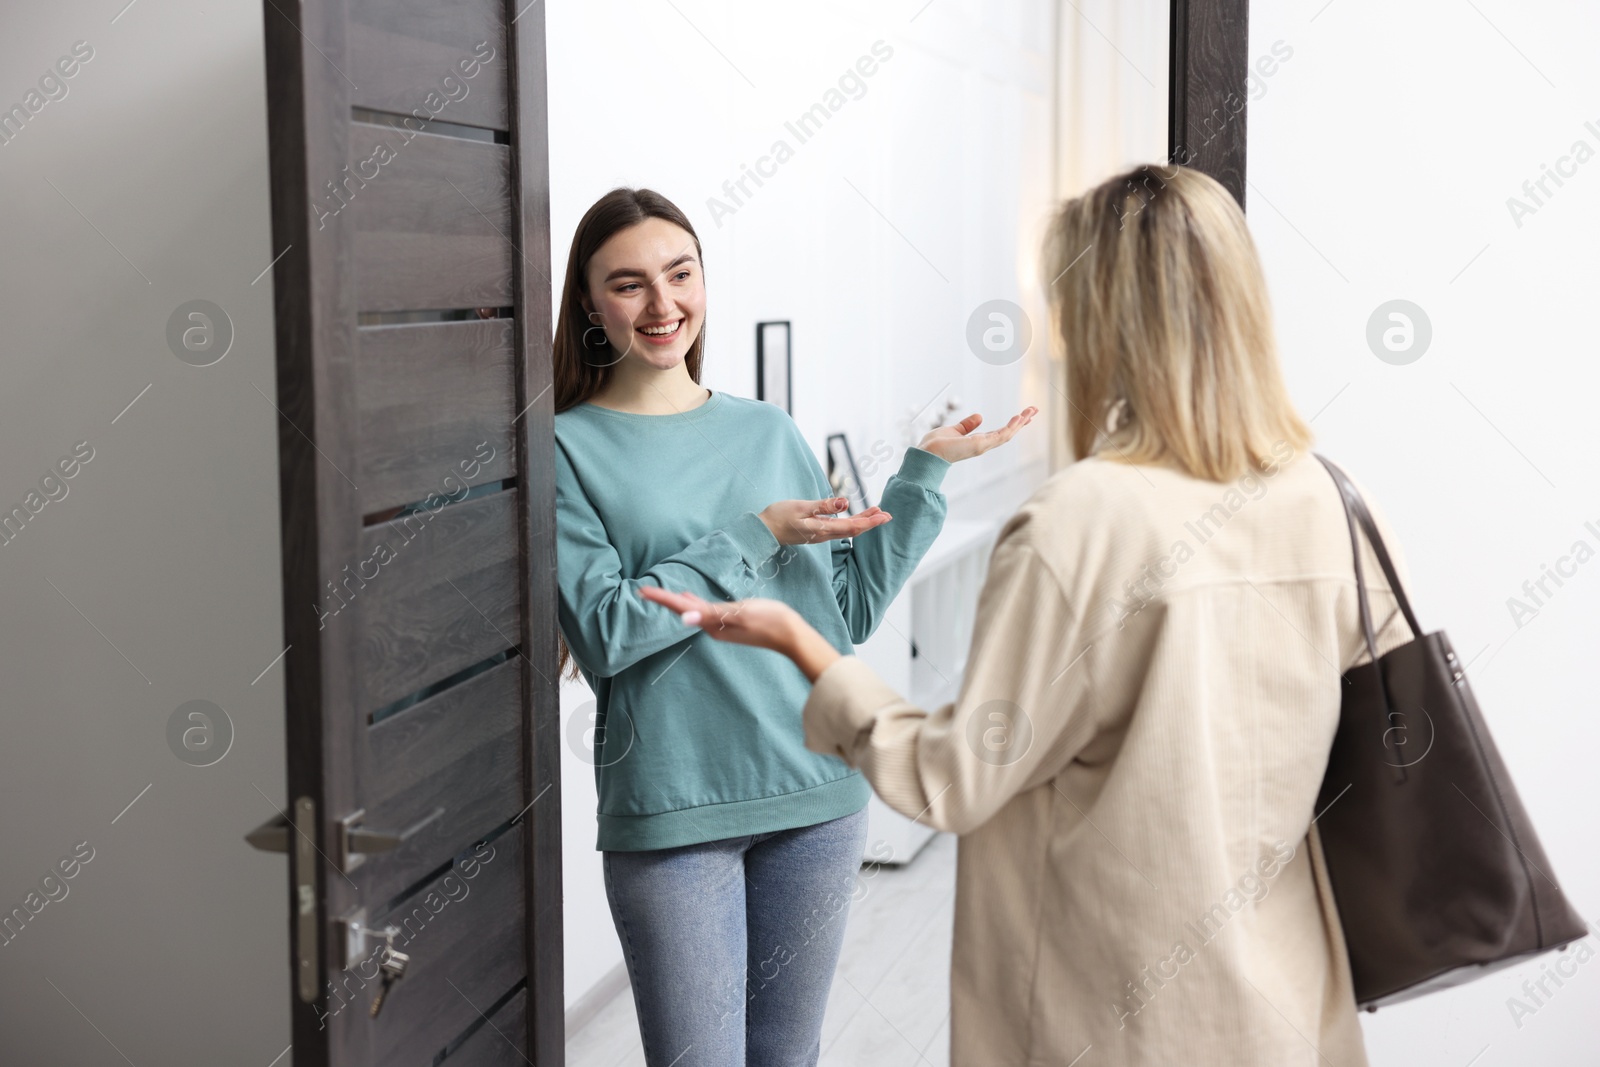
point(843, 475)
point(774, 383)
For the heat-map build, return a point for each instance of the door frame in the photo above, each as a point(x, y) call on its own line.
point(536, 428)
point(1209, 65)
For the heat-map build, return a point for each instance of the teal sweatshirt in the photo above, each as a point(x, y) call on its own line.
point(698, 739)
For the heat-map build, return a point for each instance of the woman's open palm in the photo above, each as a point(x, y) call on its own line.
point(806, 522)
point(757, 621)
point(957, 441)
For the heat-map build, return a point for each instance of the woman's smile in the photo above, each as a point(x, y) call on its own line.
point(659, 333)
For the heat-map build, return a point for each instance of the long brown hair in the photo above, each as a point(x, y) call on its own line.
point(1161, 304)
point(580, 370)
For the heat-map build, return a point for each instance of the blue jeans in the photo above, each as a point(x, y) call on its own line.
point(731, 945)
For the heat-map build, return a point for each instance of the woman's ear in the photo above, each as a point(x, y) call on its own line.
point(588, 307)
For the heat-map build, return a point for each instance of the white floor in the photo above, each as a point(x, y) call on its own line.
point(890, 1003)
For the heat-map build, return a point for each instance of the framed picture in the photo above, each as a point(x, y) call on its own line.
point(843, 475)
point(773, 365)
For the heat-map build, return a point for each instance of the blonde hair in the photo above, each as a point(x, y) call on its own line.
point(1158, 297)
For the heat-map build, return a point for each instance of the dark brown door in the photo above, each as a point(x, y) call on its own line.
point(1207, 89)
point(410, 211)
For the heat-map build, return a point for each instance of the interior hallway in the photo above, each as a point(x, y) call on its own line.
point(890, 1004)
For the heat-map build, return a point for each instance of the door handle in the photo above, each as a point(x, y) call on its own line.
point(356, 840)
point(273, 835)
point(270, 836)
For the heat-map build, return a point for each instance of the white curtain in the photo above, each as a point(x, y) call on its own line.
point(1111, 113)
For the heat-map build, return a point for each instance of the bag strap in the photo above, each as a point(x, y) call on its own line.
point(1356, 511)
point(1355, 554)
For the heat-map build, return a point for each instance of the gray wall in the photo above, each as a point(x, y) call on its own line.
point(154, 580)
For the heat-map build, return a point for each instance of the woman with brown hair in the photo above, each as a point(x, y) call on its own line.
point(1153, 685)
point(730, 851)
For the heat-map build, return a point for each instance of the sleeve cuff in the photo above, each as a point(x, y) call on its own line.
point(843, 706)
point(752, 538)
point(923, 468)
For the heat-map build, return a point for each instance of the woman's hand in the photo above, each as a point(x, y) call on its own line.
point(758, 622)
point(958, 442)
point(804, 522)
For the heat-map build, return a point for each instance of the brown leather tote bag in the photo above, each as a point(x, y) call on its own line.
point(1434, 865)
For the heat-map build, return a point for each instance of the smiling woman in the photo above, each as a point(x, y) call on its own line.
point(610, 286)
point(625, 299)
point(722, 835)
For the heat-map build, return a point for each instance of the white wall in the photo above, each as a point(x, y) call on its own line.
point(951, 143)
point(1381, 157)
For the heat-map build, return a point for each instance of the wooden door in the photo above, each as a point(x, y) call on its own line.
point(1207, 94)
point(410, 211)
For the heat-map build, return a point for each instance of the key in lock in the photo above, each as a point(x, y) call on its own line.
point(393, 965)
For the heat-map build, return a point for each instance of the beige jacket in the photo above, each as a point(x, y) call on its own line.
point(1133, 765)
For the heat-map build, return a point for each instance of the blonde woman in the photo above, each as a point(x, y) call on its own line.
point(1135, 754)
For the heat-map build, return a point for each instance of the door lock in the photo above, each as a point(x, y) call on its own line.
point(273, 836)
